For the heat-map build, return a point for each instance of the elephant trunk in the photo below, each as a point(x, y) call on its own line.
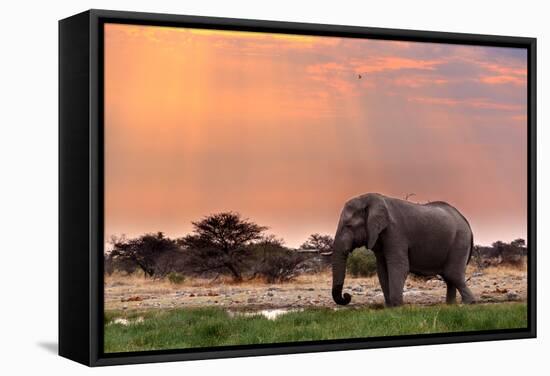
point(339, 261)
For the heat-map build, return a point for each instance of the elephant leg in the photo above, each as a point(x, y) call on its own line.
point(451, 293)
point(460, 284)
point(382, 272)
point(467, 296)
point(456, 268)
point(397, 274)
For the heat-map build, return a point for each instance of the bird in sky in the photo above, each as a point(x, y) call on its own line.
point(359, 76)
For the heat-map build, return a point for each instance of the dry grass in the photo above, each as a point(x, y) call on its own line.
point(500, 269)
point(506, 270)
point(134, 292)
point(137, 282)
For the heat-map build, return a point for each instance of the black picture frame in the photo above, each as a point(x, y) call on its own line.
point(81, 185)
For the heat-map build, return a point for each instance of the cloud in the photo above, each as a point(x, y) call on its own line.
point(503, 79)
point(373, 65)
point(412, 81)
point(198, 121)
point(505, 70)
point(480, 103)
point(343, 76)
point(393, 63)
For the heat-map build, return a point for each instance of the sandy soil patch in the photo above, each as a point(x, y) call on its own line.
point(495, 284)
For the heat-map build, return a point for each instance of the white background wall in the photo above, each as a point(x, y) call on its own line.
point(28, 186)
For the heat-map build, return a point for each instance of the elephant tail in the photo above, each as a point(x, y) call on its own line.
point(471, 249)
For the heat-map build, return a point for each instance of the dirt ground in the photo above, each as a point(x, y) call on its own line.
point(494, 284)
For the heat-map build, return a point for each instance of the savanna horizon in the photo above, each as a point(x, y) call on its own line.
point(300, 239)
point(285, 129)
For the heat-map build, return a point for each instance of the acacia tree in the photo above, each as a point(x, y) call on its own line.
point(220, 242)
point(143, 251)
point(323, 243)
point(520, 245)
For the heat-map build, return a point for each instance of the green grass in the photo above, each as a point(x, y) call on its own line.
point(186, 328)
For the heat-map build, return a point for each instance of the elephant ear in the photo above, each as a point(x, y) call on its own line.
point(377, 220)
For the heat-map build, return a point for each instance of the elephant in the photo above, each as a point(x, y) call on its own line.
point(425, 239)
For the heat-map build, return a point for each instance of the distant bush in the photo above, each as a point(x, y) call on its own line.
point(176, 278)
point(108, 265)
point(362, 263)
point(280, 266)
point(501, 253)
point(170, 261)
point(123, 265)
point(274, 262)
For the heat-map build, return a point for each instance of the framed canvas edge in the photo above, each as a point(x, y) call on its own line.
point(296, 348)
point(97, 17)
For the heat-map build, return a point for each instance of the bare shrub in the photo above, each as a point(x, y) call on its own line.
point(273, 262)
point(280, 265)
point(172, 260)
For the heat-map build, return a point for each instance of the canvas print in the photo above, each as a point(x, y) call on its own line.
point(264, 188)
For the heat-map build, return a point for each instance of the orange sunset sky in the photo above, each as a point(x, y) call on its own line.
point(281, 129)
